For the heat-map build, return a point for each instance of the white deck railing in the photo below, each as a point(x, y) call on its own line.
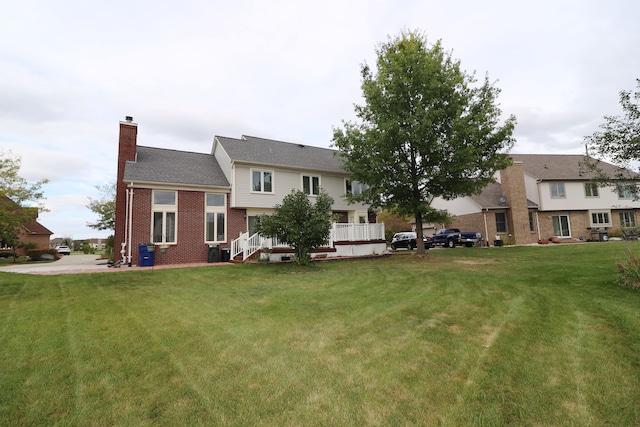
point(248, 245)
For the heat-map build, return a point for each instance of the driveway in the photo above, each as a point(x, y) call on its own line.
point(66, 264)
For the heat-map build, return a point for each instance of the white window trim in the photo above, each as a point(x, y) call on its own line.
point(568, 224)
point(164, 209)
point(360, 187)
point(631, 214)
point(622, 192)
point(558, 185)
point(262, 172)
point(593, 186)
point(216, 210)
point(600, 224)
point(311, 184)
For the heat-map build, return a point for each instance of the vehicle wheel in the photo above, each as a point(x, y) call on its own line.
point(410, 246)
point(451, 244)
point(393, 247)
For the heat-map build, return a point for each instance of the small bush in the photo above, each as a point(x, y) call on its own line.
point(630, 270)
point(36, 254)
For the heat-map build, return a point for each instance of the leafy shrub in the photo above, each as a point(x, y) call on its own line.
point(616, 232)
point(36, 254)
point(630, 270)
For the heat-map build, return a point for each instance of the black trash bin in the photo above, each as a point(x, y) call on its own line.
point(214, 253)
point(146, 257)
point(225, 254)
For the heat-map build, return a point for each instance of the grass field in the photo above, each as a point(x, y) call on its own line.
point(538, 336)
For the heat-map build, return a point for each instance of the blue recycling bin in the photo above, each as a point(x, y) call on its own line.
point(146, 257)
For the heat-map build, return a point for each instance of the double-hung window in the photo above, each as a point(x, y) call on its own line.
point(261, 181)
point(590, 189)
point(501, 222)
point(354, 187)
point(215, 218)
point(164, 216)
point(627, 191)
point(627, 219)
point(311, 184)
point(557, 190)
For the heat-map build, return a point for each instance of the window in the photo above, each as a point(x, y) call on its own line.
point(215, 214)
point(501, 222)
point(261, 181)
point(164, 222)
point(590, 189)
point(627, 191)
point(532, 226)
point(600, 219)
point(354, 187)
point(561, 226)
point(557, 190)
point(627, 219)
point(311, 184)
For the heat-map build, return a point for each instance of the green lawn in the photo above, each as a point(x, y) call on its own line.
point(538, 336)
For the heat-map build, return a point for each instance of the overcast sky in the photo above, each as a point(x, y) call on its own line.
point(287, 70)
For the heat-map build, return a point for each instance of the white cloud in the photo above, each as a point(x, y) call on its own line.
point(70, 70)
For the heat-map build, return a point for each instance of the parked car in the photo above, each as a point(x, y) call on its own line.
point(63, 250)
point(452, 237)
point(408, 240)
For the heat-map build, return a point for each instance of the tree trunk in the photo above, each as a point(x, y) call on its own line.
point(419, 232)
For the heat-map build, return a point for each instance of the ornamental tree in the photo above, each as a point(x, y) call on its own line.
point(104, 207)
point(425, 130)
point(299, 223)
point(618, 141)
point(16, 194)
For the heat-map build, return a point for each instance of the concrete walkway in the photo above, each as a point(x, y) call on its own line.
point(66, 264)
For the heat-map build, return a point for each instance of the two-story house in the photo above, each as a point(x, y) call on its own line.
point(187, 202)
point(543, 196)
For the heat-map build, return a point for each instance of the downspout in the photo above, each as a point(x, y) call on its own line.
point(486, 230)
point(130, 225)
point(126, 227)
point(538, 224)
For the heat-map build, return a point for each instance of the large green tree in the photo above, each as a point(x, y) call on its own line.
point(299, 223)
point(18, 198)
point(104, 207)
point(425, 130)
point(618, 140)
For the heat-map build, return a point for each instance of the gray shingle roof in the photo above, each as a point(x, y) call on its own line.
point(490, 197)
point(564, 167)
point(266, 151)
point(175, 167)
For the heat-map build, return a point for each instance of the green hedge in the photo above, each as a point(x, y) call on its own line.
point(36, 254)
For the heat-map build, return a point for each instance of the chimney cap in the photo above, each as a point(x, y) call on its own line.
point(128, 118)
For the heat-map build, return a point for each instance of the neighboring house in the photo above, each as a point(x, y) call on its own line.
point(543, 196)
point(188, 201)
point(97, 244)
point(30, 232)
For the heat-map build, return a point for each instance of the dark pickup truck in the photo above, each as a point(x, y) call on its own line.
point(452, 237)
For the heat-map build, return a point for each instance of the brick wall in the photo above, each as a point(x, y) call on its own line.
point(513, 187)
